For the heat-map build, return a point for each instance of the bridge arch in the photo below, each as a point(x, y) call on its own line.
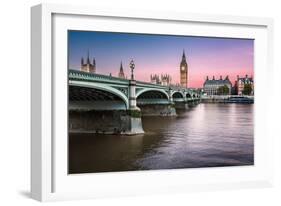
point(177, 95)
point(109, 91)
point(188, 95)
point(158, 92)
point(152, 96)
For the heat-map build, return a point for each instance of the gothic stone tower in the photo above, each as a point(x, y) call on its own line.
point(183, 71)
point(121, 72)
point(88, 67)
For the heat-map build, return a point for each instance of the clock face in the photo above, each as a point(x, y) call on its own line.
point(182, 68)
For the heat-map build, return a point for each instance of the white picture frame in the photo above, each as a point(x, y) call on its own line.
point(49, 181)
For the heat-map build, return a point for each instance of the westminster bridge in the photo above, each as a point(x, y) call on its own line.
point(107, 104)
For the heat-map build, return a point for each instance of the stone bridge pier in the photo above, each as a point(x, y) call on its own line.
point(135, 126)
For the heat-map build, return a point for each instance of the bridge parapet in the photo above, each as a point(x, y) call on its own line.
point(85, 76)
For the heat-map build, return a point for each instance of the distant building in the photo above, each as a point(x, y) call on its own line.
point(212, 86)
point(165, 79)
point(154, 79)
point(121, 72)
point(183, 71)
point(241, 82)
point(88, 66)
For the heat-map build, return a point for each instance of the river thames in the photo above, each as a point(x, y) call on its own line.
point(206, 135)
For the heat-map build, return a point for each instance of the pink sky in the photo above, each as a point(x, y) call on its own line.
point(161, 54)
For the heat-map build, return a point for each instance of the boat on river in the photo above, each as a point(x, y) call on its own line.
point(240, 99)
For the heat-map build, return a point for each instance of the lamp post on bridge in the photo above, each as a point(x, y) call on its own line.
point(134, 111)
point(132, 87)
point(132, 66)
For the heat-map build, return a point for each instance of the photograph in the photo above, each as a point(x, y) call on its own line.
point(140, 101)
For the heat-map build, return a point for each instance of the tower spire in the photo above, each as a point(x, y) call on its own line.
point(121, 71)
point(121, 67)
point(183, 55)
point(88, 57)
point(94, 65)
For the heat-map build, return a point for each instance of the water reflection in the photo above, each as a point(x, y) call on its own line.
point(203, 136)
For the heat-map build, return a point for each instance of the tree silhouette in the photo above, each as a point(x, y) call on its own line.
point(247, 89)
point(223, 90)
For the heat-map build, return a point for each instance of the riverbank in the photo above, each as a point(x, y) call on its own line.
point(228, 99)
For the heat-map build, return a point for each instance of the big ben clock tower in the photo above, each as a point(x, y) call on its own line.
point(183, 71)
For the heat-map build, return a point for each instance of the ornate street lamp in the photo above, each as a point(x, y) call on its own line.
point(132, 66)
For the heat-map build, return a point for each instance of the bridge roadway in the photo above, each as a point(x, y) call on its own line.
point(96, 92)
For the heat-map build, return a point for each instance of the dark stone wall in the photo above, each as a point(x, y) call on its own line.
point(181, 105)
point(158, 110)
point(97, 121)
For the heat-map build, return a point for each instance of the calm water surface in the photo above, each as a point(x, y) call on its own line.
point(206, 135)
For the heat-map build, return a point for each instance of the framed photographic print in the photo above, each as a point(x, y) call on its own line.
point(133, 102)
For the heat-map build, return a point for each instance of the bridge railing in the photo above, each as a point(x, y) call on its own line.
point(74, 74)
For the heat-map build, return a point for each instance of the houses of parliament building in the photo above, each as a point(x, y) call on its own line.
point(167, 80)
point(90, 67)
